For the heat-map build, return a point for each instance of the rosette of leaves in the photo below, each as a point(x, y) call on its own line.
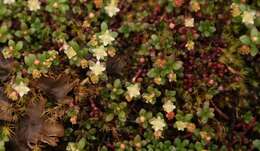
point(185, 144)
point(151, 94)
point(123, 145)
point(25, 32)
point(57, 6)
point(162, 73)
point(114, 91)
point(253, 41)
point(104, 29)
point(160, 145)
point(169, 95)
point(162, 40)
point(181, 116)
point(5, 33)
point(41, 62)
point(77, 146)
point(37, 29)
point(118, 110)
point(181, 145)
point(81, 52)
point(144, 117)
point(205, 113)
point(13, 49)
point(248, 117)
point(207, 28)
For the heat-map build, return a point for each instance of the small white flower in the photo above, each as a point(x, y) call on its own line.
point(21, 89)
point(189, 22)
point(100, 52)
point(168, 106)
point(248, 17)
point(9, 1)
point(180, 125)
point(34, 5)
point(133, 90)
point(97, 68)
point(112, 9)
point(106, 38)
point(157, 123)
point(70, 52)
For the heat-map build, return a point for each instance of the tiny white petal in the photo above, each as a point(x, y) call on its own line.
point(106, 38)
point(112, 9)
point(34, 5)
point(97, 68)
point(168, 106)
point(157, 123)
point(133, 90)
point(21, 89)
point(248, 17)
point(100, 52)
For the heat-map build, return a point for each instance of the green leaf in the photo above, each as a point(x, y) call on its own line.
point(245, 40)
point(81, 144)
point(256, 144)
point(254, 50)
point(177, 65)
point(109, 117)
point(19, 46)
point(29, 60)
point(117, 83)
point(254, 32)
point(104, 26)
point(153, 73)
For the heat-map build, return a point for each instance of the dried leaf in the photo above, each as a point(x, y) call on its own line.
point(56, 88)
point(35, 129)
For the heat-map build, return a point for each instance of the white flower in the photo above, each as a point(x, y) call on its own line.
point(70, 52)
point(106, 38)
point(21, 89)
point(189, 22)
point(248, 17)
point(34, 5)
point(180, 125)
point(97, 68)
point(112, 9)
point(157, 123)
point(100, 52)
point(9, 1)
point(168, 106)
point(133, 90)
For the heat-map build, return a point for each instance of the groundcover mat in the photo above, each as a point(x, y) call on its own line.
point(129, 75)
